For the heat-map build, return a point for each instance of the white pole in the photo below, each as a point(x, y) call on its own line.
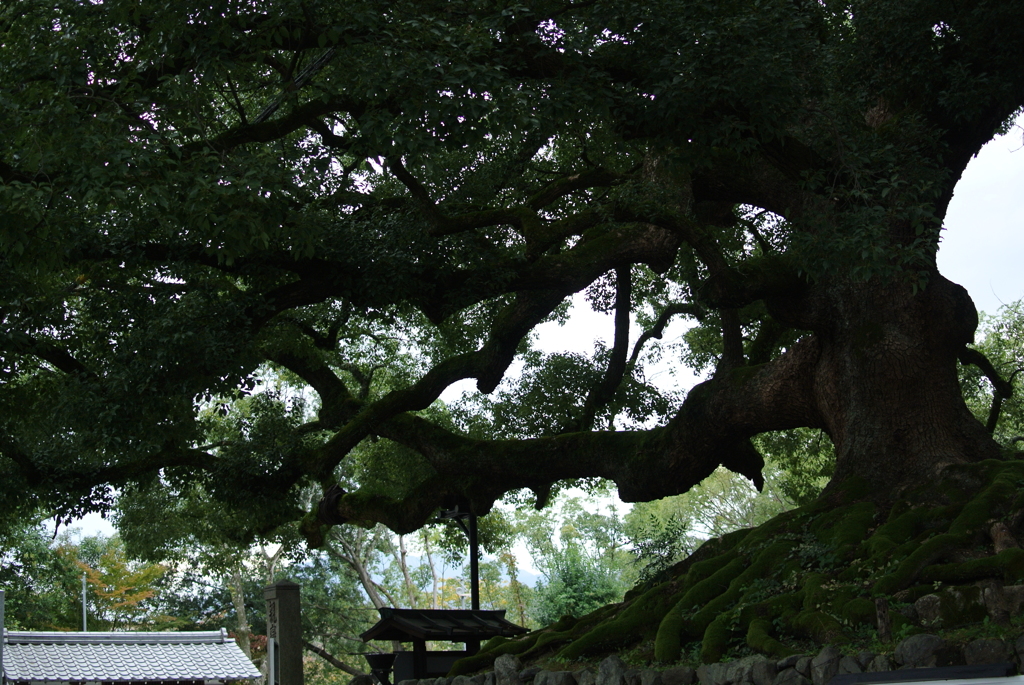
point(85, 626)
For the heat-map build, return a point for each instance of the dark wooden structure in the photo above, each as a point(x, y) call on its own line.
point(448, 625)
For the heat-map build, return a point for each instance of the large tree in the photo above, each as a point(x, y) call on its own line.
point(381, 199)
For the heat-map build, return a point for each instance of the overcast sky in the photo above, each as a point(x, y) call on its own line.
point(982, 247)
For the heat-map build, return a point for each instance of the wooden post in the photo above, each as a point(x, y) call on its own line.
point(882, 615)
point(284, 626)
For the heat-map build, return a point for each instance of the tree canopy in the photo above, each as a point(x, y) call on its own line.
point(377, 200)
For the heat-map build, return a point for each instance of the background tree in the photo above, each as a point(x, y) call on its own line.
point(42, 587)
point(995, 403)
point(582, 557)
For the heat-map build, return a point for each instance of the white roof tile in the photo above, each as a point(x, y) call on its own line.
point(123, 656)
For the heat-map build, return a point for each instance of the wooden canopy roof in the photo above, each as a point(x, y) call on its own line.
point(455, 625)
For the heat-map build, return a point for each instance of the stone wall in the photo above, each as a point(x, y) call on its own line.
point(918, 651)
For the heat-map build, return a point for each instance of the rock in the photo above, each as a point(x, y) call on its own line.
point(803, 666)
point(879, 664)
point(790, 676)
point(462, 680)
point(539, 678)
point(742, 670)
point(631, 676)
point(987, 650)
point(994, 598)
point(1014, 595)
point(849, 664)
point(954, 606)
point(362, 680)
point(410, 681)
point(587, 676)
point(529, 673)
point(713, 674)
point(923, 651)
point(908, 612)
point(649, 676)
point(562, 678)
point(611, 671)
point(764, 672)
point(864, 658)
point(825, 665)
point(489, 678)
point(506, 670)
point(928, 609)
point(677, 675)
point(788, 662)
point(479, 679)
point(1019, 648)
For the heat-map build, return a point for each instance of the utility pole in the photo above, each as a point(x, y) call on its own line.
point(85, 626)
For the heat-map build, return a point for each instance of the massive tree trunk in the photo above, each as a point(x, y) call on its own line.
point(886, 381)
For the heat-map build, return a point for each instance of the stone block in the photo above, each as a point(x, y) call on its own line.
point(789, 661)
point(713, 674)
point(649, 676)
point(928, 610)
point(678, 675)
point(803, 666)
point(631, 676)
point(1014, 595)
point(764, 672)
point(611, 671)
point(926, 651)
point(791, 676)
point(864, 658)
point(529, 673)
point(954, 606)
point(879, 664)
point(586, 676)
point(506, 670)
point(987, 650)
point(742, 670)
point(849, 664)
point(825, 665)
point(462, 680)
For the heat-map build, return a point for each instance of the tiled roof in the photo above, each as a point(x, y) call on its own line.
point(456, 625)
point(123, 656)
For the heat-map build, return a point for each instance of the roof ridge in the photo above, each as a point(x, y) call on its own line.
point(37, 637)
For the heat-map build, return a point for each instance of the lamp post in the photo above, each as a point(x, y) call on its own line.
point(85, 626)
point(466, 520)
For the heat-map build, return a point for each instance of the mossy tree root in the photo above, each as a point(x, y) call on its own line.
point(811, 573)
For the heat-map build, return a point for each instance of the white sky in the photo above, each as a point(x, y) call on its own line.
point(982, 249)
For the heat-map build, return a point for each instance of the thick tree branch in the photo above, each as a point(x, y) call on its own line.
point(487, 365)
point(58, 357)
point(712, 427)
point(658, 329)
point(603, 392)
point(336, 401)
point(1002, 389)
point(416, 189)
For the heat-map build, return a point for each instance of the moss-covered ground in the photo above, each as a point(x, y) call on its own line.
point(806, 578)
